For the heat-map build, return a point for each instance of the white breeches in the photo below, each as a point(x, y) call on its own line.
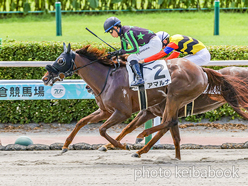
point(200, 58)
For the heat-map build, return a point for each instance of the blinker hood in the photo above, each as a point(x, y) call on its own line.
point(64, 63)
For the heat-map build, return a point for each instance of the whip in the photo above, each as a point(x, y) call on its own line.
point(99, 38)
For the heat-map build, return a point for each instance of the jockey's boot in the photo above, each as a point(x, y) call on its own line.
point(136, 69)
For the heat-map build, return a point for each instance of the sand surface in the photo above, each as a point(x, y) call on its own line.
point(118, 168)
point(203, 167)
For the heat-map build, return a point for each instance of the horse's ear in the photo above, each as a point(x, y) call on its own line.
point(69, 48)
point(64, 46)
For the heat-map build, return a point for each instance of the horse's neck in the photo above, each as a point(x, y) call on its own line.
point(94, 74)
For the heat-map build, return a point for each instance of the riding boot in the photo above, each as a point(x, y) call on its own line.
point(136, 69)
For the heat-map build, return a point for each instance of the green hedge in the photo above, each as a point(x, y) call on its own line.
point(65, 111)
point(132, 5)
point(48, 111)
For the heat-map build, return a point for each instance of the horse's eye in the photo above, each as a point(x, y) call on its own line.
point(61, 61)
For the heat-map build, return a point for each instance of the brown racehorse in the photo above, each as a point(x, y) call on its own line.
point(202, 104)
point(117, 101)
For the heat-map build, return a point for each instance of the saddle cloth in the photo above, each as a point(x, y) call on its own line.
point(155, 74)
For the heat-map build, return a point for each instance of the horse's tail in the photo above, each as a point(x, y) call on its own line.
point(233, 89)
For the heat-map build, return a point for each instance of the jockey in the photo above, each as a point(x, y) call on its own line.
point(143, 42)
point(196, 50)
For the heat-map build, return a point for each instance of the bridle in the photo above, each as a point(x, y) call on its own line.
point(71, 70)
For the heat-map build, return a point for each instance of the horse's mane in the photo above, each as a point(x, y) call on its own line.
point(93, 53)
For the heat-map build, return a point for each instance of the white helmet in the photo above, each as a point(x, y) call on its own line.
point(162, 35)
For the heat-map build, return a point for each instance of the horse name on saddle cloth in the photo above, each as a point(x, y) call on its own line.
point(155, 74)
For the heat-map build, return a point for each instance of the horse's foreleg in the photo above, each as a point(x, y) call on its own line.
point(142, 117)
point(116, 117)
point(92, 118)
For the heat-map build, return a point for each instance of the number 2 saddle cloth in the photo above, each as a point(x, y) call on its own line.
point(155, 74)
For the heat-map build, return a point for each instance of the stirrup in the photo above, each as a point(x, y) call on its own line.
point(138, 82)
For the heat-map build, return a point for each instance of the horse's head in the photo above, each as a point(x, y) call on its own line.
point(61, 68)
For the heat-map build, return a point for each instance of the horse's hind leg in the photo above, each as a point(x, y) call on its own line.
point(148, 146)
point(176, 139)
point(141, 118)
point(148, 132)
point(170, 119)
point(92, 118)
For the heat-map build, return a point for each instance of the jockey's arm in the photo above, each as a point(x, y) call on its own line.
point(174, 54)
point(169, 48)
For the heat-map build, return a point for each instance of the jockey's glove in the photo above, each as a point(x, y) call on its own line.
point(115, 53)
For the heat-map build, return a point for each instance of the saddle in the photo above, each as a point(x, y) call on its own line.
point(155, 74)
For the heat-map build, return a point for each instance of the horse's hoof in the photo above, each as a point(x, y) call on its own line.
point(104, 149)
point(127, 147)
point(138, 140)
point(64, 150)
point(135, 155)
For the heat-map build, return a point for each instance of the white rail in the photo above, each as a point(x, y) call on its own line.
point(25, 63)
point(44, 63)
point(228, 63)
point(37, 81)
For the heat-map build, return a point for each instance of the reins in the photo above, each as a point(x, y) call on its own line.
point(105, 83)
point(83, 66)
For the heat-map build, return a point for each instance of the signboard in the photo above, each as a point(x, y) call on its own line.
point(36, 90)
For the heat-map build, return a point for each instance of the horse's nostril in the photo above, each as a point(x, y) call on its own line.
point(45, 79)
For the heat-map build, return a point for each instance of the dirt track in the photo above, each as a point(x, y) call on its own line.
point(158, 167)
